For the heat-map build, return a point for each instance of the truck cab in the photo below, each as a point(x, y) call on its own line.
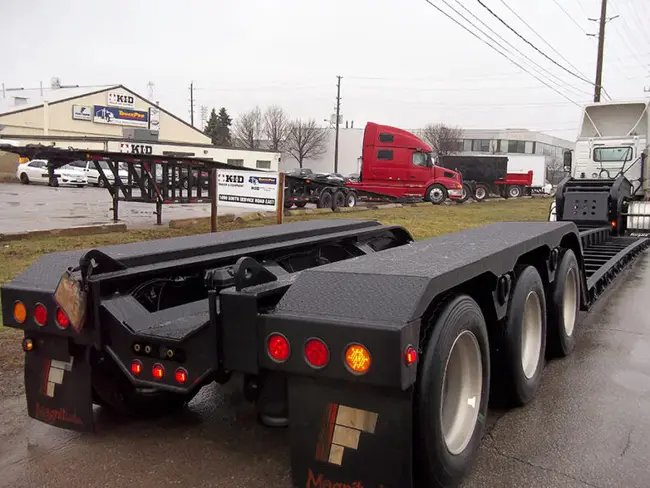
point(397, 163)
point(612, 139)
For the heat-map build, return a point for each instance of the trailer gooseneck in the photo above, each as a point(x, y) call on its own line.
point(379, 352)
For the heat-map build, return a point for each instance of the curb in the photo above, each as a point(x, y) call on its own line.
point(72, 231)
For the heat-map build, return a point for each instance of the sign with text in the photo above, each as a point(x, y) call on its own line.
point(248, 189)
point(120, 116)
point(82, 112)
point(154, 119)
point(128, 147)
point(117, 99)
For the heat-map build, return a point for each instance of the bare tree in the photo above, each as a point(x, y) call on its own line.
point(306, 140)
point(276, 127)
point(247, 130)
point(443, 139)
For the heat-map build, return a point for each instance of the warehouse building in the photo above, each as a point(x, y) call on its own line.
point(111, 118)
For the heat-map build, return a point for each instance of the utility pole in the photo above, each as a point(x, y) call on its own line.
point(601, 48)
point(336, 137)
point(192, 103)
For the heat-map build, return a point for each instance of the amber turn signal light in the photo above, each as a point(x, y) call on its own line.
point(20, 312)
point(357, 359)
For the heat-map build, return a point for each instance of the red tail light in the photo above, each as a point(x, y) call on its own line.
point(410, 356)
point(181, 376)
point(158, 371)
point(136, 368)
point(62, 319)
point(316, 353)
point(278, 348)
point(40, 314)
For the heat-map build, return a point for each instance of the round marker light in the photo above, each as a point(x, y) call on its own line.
point(28, 344)
point(316, 353)
point(181, 376)
point(20, 312)
point(410, 356)
point(62, 319)
point(158, 371)
point(40, 314)
point(278, 348)
point(136, 368)
point(357, 359)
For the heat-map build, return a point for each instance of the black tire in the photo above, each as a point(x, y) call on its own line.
point(481, 193)
point(100, 182)
point(185, 184)
point(436, 194)
point(338, 200)
point(113, 390)
point(301, 204)
point(288, 204)
point(520, 382)
point(563, 307)
point(461, 324)
point(24, 179)
point(351, 199)
point(467, 191)
point(325, 200)
point(514, 191)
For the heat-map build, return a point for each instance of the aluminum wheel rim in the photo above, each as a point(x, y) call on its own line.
point(435, 194)
point(531, 335)
point(462, 386)
point(514, 192)
point(569, 302)
point(480, 193)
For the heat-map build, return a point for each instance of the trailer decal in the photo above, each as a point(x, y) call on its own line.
point(54, 371)
point(320, 481)
point(342, 428)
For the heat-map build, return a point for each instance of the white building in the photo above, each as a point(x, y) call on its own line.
point(111, 118)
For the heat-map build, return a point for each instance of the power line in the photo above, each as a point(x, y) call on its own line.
point(541, 37)
point(572, 73)
point(494, 48)
point(570, 18)
point(541, 69)
point(637, 20)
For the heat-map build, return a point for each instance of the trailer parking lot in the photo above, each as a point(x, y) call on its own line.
point(588, 426)
point(38, 207)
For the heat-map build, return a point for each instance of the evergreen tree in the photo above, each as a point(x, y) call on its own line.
point(212, 127)
point(223, 128)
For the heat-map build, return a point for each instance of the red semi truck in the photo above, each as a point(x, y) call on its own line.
point(396, 166)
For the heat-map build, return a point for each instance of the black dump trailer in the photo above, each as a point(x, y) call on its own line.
point(379, 353)
point(479, 174)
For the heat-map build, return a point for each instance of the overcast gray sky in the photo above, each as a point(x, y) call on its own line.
point(403, 62)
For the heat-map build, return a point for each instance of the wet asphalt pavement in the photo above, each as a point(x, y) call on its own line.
point(39, 207)
point(588, 427)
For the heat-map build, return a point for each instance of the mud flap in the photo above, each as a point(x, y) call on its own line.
point(58, 384)
point(346, 435)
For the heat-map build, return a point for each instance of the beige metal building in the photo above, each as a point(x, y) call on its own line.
point(110, 118)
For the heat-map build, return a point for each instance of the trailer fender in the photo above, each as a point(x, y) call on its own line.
point(349, 436)
point(58, 383)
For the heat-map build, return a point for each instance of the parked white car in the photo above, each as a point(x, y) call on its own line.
point(88, 167)
point(35, 171)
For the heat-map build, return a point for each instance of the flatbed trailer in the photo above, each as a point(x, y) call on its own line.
point(301, 190)
point(379, 353)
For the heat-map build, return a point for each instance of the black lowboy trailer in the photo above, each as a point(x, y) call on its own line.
point(379, 352)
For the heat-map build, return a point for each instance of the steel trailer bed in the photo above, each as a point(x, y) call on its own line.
point(166, 317)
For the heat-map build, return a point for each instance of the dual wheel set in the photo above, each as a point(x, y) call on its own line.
point(457, 372)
